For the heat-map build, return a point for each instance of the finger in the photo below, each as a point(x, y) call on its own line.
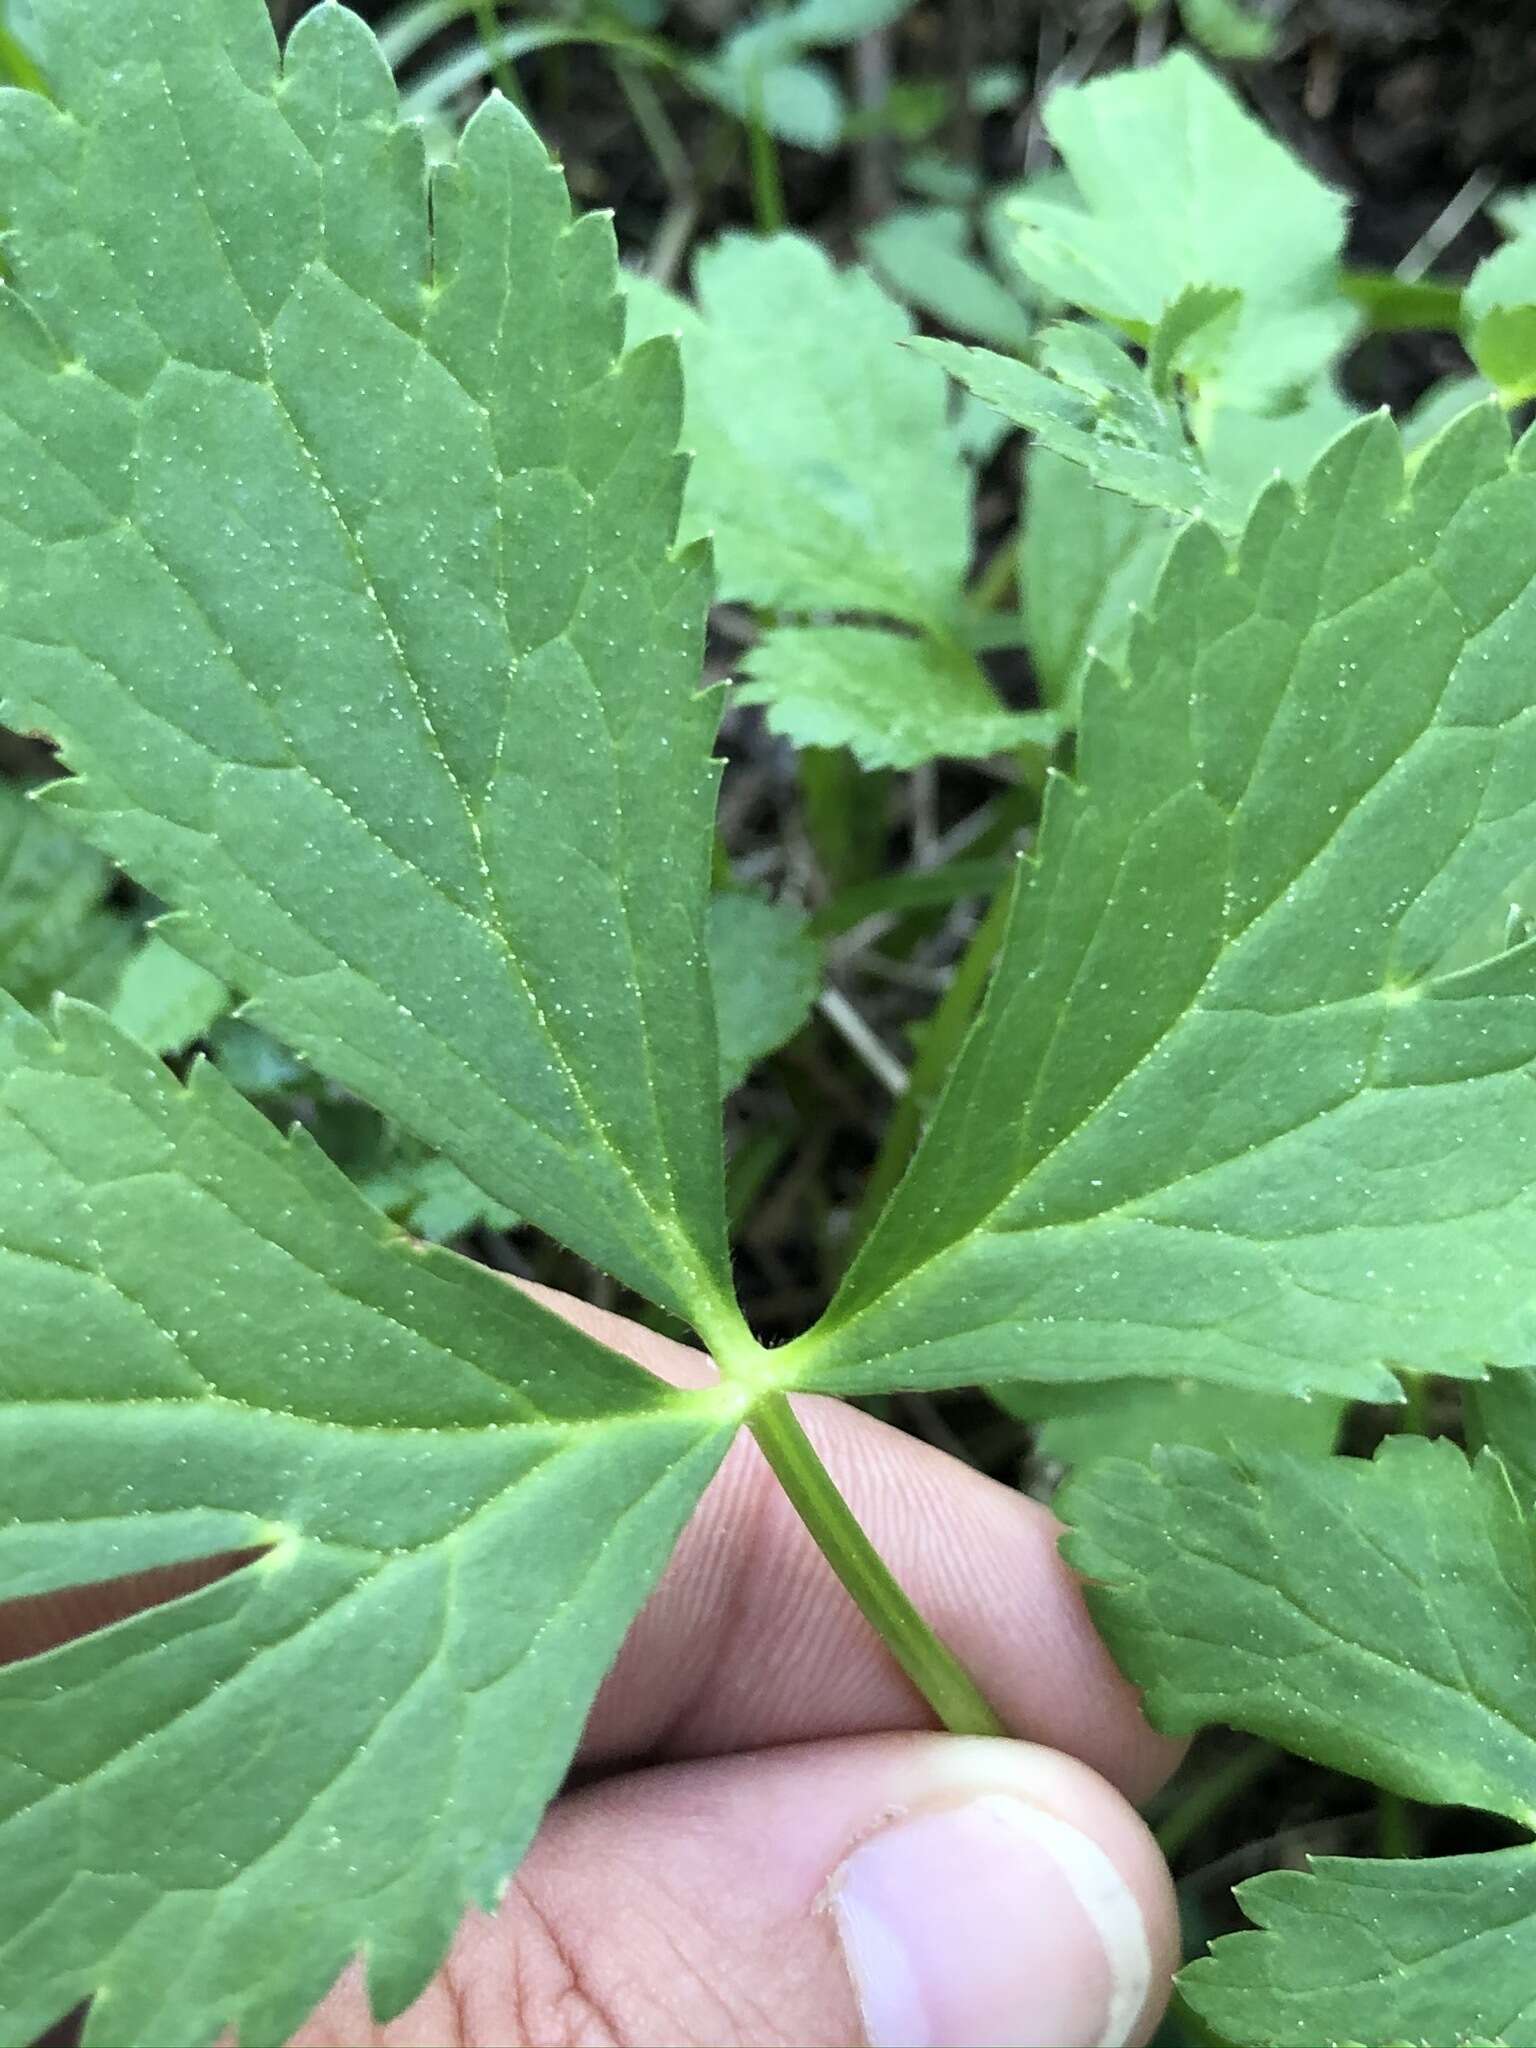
point(750, 1641)
point(898, 1890)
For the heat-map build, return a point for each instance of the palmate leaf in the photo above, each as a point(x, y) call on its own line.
point(214, 1344)
point(924, 254)
point(165, 1000)
point(1221, 1116)
point(1173, 178)
point(839, 486)
point(1380, 1618)
point(761, 74)
point(1499, 318)
point(337, 554)
point(1089, 557)
point(824, 469)
point(1132, 1418)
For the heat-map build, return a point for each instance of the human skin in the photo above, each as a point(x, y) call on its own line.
point(763, 1841)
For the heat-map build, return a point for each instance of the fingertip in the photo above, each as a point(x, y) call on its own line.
point(1017, 1898)
point(908, 1891)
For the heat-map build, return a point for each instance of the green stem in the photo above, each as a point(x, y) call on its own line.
point(996, 580)
point(655, 125)
point(844, 811)
point(1203, 1801)
point(1397, 1830)
point(935, 1671)
point(1413, 1418)
point(490, 38)
point(911, 888)
point(767, 184)
point(941, 1044)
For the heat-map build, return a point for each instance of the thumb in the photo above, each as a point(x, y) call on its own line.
point(909, 1891)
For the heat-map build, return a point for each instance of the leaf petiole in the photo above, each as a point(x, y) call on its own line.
point(935, 1671)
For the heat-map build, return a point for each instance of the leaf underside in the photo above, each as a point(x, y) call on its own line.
point(214, 1344)
point(336, 552)
point(1381, 1618)
point(1222, 1116)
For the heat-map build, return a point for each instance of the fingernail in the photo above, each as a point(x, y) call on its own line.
point(991, 1924)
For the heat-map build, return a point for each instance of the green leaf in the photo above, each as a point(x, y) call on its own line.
point(1515, 212)
point(1088, 559)
point(1089, 401)
point(253, 1061)
point(1227, 30)
point(758, 74)
point(343, 571)
point(1378, 1616)
point(1498, 311)
point(894, 701)
point(432, 1199)
point(929, 174)
point(1172, 174)
point(767, 970)
point(56, 934)
point(924, 254)
point(1190, 335)
point(164, 999)
point(459, 1502)
point(1131, 1418)
point(799, 103)
point(1381, 1618)
point(1392, 1954)
point(825, 470)
point(1441, 403)
point(1245, 451)
point(1222, 1116)
point(1501, 1413)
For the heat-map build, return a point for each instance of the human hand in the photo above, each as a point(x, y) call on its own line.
point(762, 1843)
